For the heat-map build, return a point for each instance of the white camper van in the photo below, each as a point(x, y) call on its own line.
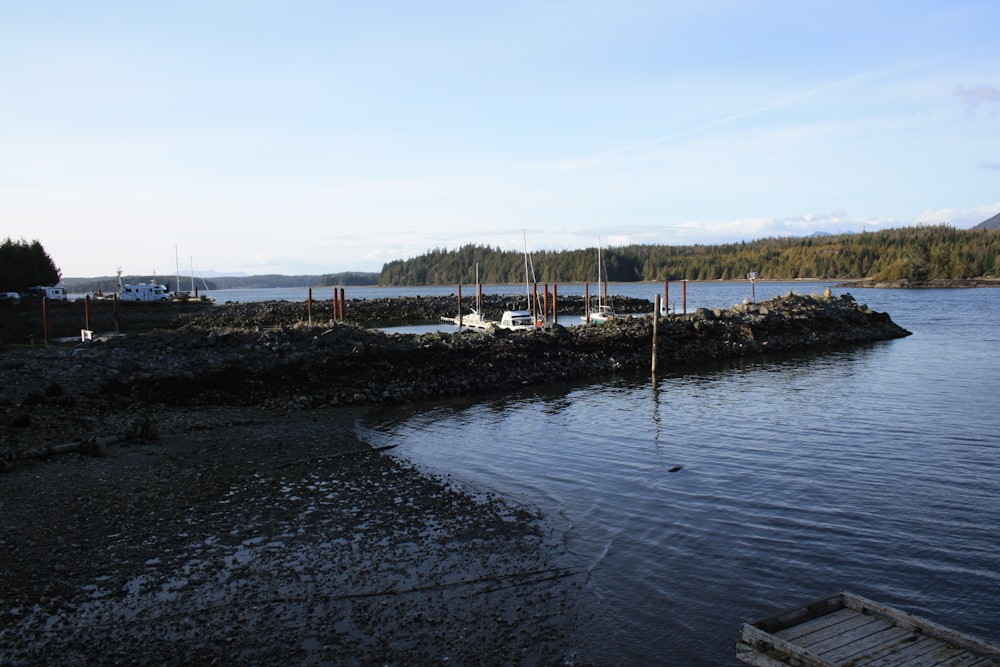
point(145, 292)
point(52, 293)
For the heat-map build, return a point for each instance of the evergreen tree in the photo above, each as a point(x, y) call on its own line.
point(23, 265)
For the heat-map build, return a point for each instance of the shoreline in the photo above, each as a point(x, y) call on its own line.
point(938, 283)
point(228, 509)
point(275, 538)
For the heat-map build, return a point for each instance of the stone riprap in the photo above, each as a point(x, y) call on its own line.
point(223, 357)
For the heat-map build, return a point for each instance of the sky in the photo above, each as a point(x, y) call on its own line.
point(319, 136)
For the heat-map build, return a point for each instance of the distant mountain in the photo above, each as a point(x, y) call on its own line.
point(992, 223)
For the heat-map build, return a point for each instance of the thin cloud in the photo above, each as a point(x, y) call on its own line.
point(788, 100)
point(979, 95)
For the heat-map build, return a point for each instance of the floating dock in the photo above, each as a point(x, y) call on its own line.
point(849, 630)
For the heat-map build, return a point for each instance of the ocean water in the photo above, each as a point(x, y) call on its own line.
point(714, 495)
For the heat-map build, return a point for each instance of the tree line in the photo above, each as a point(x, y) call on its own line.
point(907, 253)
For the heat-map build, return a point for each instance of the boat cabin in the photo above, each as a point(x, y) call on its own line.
point(517, 319)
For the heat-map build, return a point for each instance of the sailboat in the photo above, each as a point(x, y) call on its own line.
point(603, 311)
point(522, 319)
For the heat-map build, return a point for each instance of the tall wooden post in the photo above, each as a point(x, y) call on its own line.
point(460, 306)
point(115, 302)
point(666, 297)
point(586, 302)
point(684, 296)
point(86, 313)
point(555, 304)
point(46, 320)
point(343, 305)
point(309, 307)
point(656, 321)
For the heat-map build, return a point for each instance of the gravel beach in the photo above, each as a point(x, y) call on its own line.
point(264, 538)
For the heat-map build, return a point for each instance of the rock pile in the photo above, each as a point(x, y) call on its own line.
point(290, 366)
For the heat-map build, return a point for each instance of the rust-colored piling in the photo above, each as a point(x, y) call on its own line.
point(586, 302)
point(684, 296)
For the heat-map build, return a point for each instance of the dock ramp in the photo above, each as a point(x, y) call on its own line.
point(849, 630)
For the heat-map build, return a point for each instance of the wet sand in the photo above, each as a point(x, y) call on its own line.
point(266, 538)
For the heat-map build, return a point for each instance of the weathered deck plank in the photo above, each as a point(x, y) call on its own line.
point(848, 630)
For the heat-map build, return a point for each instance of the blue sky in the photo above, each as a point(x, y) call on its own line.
point(301, 136)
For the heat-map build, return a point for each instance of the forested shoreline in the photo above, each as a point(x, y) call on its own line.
point(910, 254)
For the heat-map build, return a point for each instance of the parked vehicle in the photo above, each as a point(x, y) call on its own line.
point(42, 292)
point(145, 292)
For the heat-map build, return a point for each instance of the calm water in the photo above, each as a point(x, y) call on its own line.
point(871, 470)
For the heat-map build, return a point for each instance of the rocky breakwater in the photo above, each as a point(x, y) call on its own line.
point(387, 311)
point(117, 386)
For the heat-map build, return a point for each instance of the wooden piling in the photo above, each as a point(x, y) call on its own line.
point(684, 296)
point(343, 305)
point(666, 297)
point(309, 307)
point(656, 321)
point(46, 320)
point(86, 313)
point(586, 302)
point(459, 318)
point(555, 301)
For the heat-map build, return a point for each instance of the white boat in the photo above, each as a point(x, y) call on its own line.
point(602, 312)
point(473, 320)
point(516, 320)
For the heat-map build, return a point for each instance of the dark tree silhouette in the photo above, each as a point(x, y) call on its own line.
point(23, 265)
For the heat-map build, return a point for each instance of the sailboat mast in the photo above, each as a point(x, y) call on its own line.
point(527, 285)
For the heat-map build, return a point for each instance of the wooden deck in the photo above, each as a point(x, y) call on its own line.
point(847, 630)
